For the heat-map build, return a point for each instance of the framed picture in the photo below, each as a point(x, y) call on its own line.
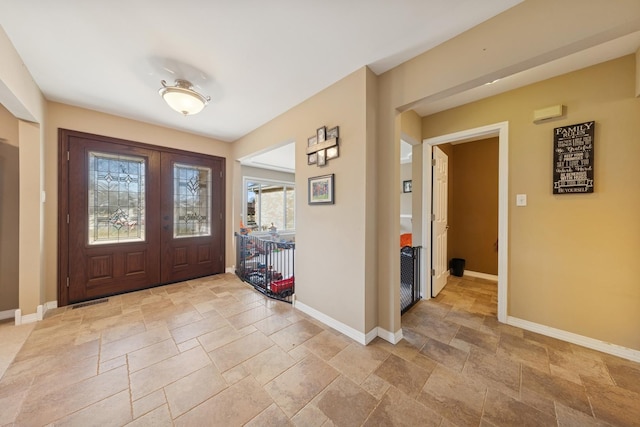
point(313, 140)
point(322, 157)
point(332, 152)
point(406, 186)
point(321, 133)
point(321, 190)
point(333, 133)
point(312, 158)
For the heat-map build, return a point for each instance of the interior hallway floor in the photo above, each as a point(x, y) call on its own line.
point(214, 352)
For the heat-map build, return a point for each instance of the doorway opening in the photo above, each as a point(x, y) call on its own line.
point(409, 254)
point(265, 242)
point(499, 130)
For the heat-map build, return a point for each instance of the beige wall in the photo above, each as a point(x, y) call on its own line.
point(79, 119)
point(572, 258)
point(350, 268)
point(406, 173)
point(527, 35)
point(411, 132)
point(9, 210)
point(21, 96)
point(267, 174)
point(473, 219)
point(370, 213)
point(331, 240)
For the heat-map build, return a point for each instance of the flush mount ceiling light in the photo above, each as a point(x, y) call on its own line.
point(183, 98)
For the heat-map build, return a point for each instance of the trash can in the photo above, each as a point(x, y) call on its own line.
point(456, 266)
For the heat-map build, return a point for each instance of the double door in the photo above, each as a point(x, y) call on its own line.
point(136, 216)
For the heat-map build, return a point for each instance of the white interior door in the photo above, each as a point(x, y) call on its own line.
point(439, 221)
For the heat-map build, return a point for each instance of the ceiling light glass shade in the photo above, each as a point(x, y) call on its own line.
point(183, 98)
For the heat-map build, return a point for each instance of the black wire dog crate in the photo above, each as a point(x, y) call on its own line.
point(267, 265)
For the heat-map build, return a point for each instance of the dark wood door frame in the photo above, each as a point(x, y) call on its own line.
point(64, 136)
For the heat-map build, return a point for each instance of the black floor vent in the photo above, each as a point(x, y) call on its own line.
point(88, 303)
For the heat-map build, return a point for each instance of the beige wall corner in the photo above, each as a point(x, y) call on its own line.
point(21, 97)
point(411, 127)
point(388, 206)
point(417, 205)
point(331, 240)
point(31, 218)
point(18, 92)
point(9, 211)
point(495, 49)
point(370, 208)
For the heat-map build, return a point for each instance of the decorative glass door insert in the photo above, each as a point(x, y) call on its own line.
point(116, 198)
point(192, 201)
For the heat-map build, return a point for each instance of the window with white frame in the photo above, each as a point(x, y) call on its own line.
point(268, 204)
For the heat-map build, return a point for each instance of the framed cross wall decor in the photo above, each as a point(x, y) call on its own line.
point(323, 146)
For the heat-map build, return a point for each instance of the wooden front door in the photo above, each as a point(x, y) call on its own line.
point(192, 217)
point(134, 216)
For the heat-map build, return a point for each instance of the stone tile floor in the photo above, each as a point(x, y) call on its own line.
point(214, 352)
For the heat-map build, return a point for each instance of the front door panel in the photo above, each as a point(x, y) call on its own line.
point(112, 244)
point(192, 217)
point(135, 216)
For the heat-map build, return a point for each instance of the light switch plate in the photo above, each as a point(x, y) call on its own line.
point(521, 200)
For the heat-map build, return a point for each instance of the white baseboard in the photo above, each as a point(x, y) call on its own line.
point(393, 338)
point(370, 336)
point(355, 335)
point(594, 344)
point(49, 305)
point(28, 318)
point(231, 269)
point(33, 317)
point(481, 275)
point(335, 324)
point(7, 314)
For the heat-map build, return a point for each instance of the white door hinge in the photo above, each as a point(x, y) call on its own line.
point(433, 162)
point(433, 272)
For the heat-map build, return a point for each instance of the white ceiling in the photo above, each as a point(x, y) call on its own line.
point(256, 59)
point(281, 159)
point(600, 53)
